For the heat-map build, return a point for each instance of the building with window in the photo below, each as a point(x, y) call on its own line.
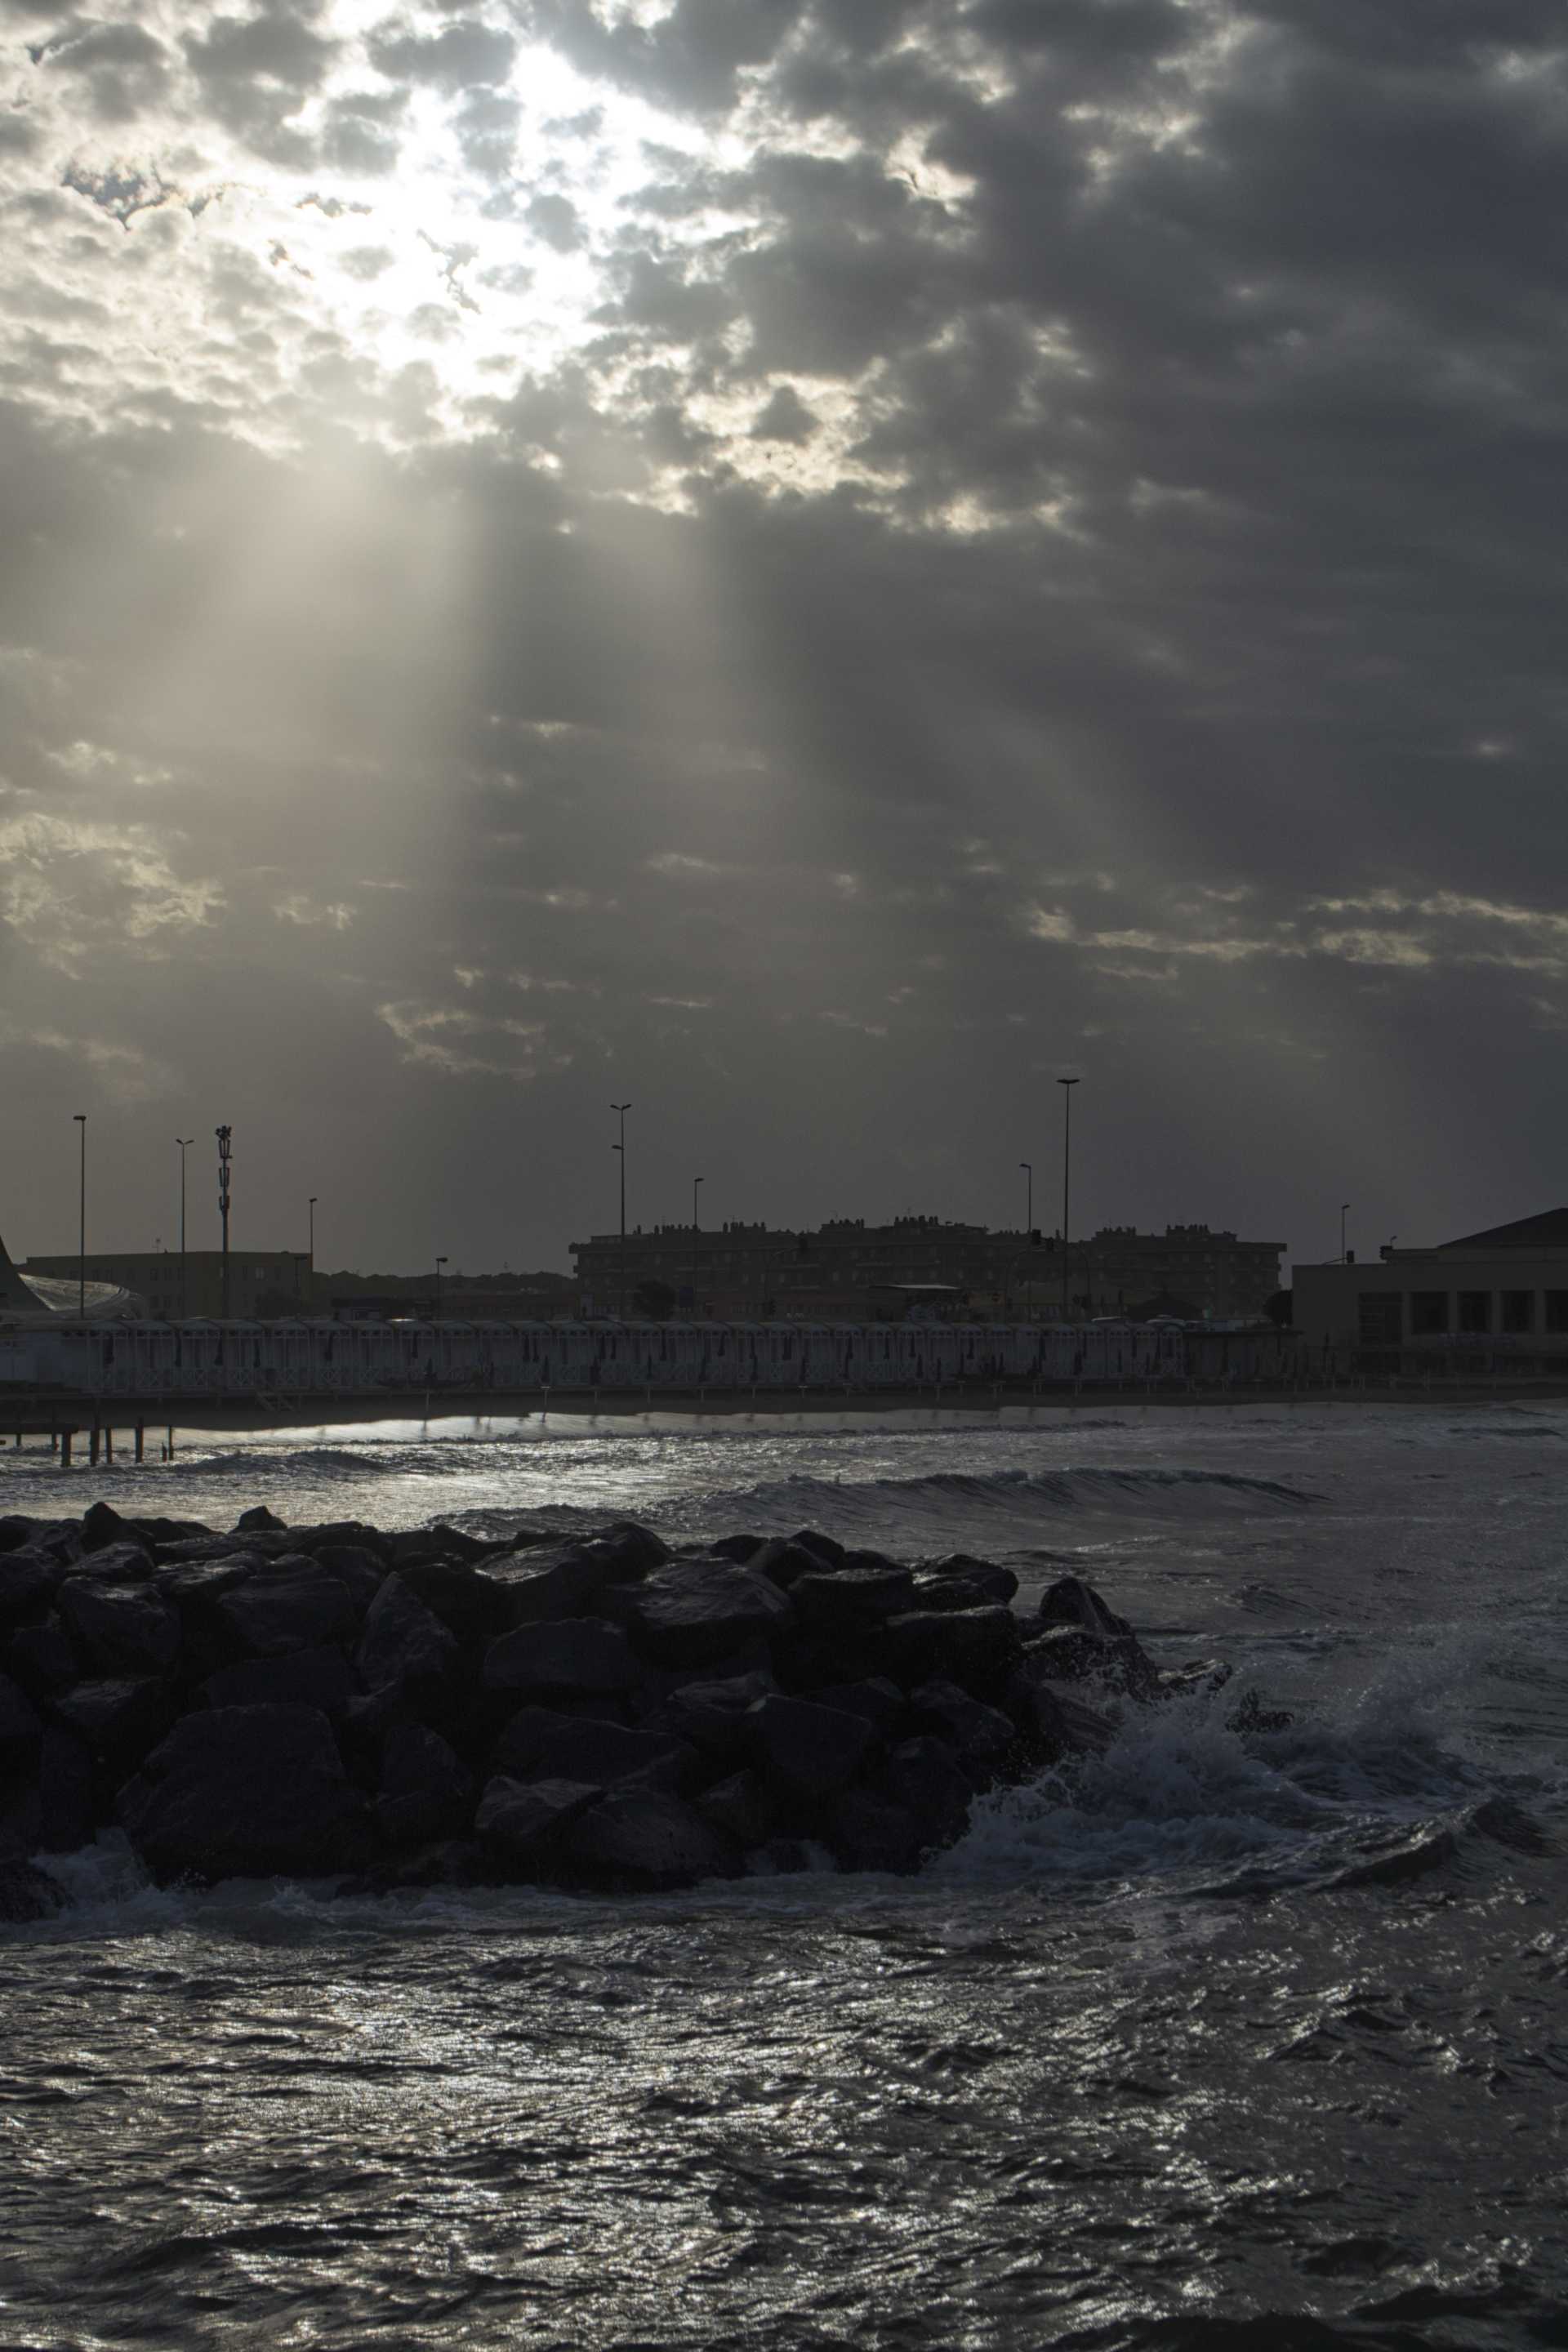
point(848, 1271)
point(1508, 1285)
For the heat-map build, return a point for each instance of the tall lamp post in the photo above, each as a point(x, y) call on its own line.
point(311, 1208)
point(1029, 1168)
point(621, 1109)
point(1066, 1085)
point(81, 1119)
point(440, 1264)
point(225, 1153)
point(1344, 1212)
point(184, 1142)
point(696, 1229)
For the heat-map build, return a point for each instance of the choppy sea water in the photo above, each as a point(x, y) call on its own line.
point(1219, 2045)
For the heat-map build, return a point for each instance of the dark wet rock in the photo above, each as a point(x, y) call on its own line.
point(951, 1593)
point(21, 1729)
point(361, 1571)
point(120, 1629)
point(405, 1646)
point(643, 1837)
point(322, 1678)
point(922, 1777)
point(331, 1535)
point(740, 1548)
point(27, 1582)
point(424, 1793)
point(42, 1658)
point(993, 1581)
point(473, 1605)
point(711, 1715)
point(569, 1580)
point(1197, 1674)
point(852, 1598)
point(1251, 1719)
point(194, 1584)
point(195, 1550)
point(15, 1533)
point(804, 1751)
point(881, 1701)
point(117, 1719)
point(67, 1813)
point(414, 1546)
point(788, 1857)
point(871, 1833)
point(974, 1647)
point(258, 1516)
point(26, 1891)
point(1054, 1721)
point(572, 1653)
point(526, 1822)
point(286, 1604)
point(102, 1527)
point(983, 1737)
point(827, 1549)
point(783, 1563)
point(244, 1791)
point(538, 1743)
point(738, 1808)
point(699, 1611)
point(116, 1563)
point(1088, 1641)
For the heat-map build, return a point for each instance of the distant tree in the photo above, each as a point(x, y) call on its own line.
point(654, 1301)
point(1278, 1308)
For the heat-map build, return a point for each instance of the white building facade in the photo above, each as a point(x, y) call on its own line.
point(1500, 1296)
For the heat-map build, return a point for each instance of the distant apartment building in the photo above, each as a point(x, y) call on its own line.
point(847, 1271)
point(261, 1283)
point(1507, 1285)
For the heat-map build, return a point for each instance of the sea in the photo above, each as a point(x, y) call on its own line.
point(1222, 2039)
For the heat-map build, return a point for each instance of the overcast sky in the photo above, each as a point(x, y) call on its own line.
point(812, 564)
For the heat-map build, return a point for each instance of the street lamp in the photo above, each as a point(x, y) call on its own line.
point(1345, 1209)
point(440, 1264)
point(184, 1142)
point(696, 1229)
point(1068, 1085)
point(81, 1119)
point(1029, 1168)
point(311, 1206)
point(224, 1154)
point(621, 1109)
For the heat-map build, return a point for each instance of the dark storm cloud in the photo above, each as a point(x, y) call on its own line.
point(1044, 552)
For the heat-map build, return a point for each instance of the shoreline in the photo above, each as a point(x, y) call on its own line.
point(36, 1418)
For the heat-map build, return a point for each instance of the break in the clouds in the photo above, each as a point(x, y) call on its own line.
point(813, 564)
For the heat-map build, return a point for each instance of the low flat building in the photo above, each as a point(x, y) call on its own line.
point(1504, 1289)
point(261, 1283)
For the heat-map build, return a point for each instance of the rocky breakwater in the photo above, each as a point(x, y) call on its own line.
point(419, 1708)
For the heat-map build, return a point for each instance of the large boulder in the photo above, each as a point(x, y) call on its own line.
point(976, 1647)
point(27, 1582)
point(712, 1715)
point(103, 1528)
point(541, 1745)
point(806, 1751)
point(243, 1792)
point(25, 1891)
point(20, 1728)
point(572, 1653)
point(130, 1562)
point(784, 1562)
point(120, 1629)
point(42, 1658)
point(871, 1832)
point(1087, 1640)
point(738, 1808)
point(117, 1719)
point(286, 1604)
point(524, 1823)
point(405, 1646)
point(881, 1701)
point(321, 1678)
point(473, 1605)
point(983, 1737)
point(922, 1778)
point(643, 1837)
point(699, 1610)
point(993, 1581)
point(848, 1599)
point(424, 1793)
point(568, 1580)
